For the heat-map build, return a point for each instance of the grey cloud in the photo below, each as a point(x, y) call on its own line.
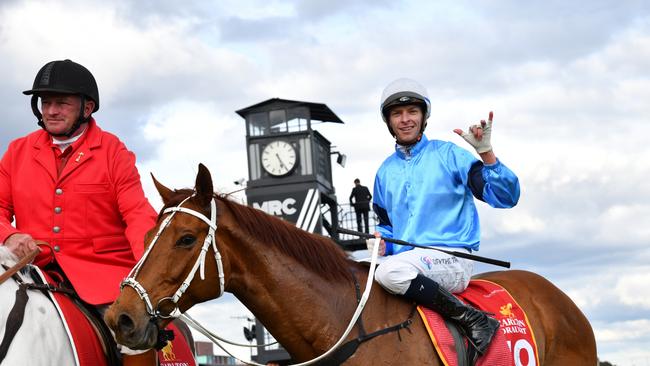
point(319, 9)
point(235, 29)
point(140, 12)
point(18, 119)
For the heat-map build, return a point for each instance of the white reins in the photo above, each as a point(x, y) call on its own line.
point(362, 303)
point(210, 240)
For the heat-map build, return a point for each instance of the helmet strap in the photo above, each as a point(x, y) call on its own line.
point(37, 112)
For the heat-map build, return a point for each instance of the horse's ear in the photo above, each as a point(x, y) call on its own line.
point(203, 186)
point(165, 193)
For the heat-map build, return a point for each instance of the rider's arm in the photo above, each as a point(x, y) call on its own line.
point(134, 207)
point(6, 200)
point(494, 184)
point(501, 189)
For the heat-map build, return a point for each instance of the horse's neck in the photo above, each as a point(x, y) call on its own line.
point(303, 311)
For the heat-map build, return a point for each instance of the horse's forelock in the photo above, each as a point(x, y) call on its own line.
point(177, 197)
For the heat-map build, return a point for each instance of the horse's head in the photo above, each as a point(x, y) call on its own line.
point(168, 279)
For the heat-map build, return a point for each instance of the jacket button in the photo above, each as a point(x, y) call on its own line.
point(56, 229)
point(57, 248)
point(57, 209)
point(58, 191)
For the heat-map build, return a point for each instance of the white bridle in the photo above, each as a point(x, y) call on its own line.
point(210, 240)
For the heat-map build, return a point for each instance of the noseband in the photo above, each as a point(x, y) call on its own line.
point(210, 240)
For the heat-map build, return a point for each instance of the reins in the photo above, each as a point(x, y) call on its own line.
point(19, 265)
point(350, 347)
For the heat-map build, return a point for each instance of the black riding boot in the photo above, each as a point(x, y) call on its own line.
point(479, 328)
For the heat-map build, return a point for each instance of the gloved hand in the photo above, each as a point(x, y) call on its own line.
point(479, 135)
point(370, 244)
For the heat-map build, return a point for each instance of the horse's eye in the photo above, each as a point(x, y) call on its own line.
point(186, 241)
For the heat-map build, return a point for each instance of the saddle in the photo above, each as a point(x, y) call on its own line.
point(513, 344)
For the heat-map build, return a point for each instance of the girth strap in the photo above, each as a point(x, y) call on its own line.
point(349, 348)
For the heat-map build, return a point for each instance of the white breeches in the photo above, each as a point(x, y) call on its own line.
point(396, 271)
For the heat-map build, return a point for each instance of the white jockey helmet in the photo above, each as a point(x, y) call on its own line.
point(403, 92)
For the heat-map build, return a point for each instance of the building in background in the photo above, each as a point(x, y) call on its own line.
point(205, 356)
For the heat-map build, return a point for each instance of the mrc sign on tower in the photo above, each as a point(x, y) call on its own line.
point(298, 206)
point(289, 163)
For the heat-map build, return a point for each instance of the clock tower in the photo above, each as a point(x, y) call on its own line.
point(290, 175)
point(289, 163)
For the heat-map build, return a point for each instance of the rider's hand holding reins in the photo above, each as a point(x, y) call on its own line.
point(370, 244)
point(20, 244)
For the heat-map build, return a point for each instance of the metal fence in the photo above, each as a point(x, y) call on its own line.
point(348, 220)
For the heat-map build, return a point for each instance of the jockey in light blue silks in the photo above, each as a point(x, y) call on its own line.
point(424, 194)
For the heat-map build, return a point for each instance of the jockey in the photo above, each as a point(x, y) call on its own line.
point(76, 187)
point(423, 194)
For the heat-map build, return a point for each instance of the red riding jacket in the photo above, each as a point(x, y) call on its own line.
point(94, 214)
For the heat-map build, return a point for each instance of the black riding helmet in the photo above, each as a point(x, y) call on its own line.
point(66, 77)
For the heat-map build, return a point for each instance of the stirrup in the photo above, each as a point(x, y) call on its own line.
point(474, 346)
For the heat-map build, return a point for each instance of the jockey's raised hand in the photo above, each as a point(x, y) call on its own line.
point(479, 136)
point(20, 244)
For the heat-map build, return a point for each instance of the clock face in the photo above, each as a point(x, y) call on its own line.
point(278, 158)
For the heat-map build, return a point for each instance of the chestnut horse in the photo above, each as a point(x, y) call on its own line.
point(302, 287)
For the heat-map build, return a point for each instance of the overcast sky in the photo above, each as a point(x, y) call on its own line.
point(568, 83)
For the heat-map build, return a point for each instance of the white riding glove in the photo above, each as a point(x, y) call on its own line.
point(370, 244)
point(484, 144)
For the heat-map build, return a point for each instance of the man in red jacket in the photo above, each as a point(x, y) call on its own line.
point(75, 187)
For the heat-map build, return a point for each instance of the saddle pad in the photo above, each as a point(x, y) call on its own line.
point(87, 347)
point(514, 342)
point(176, 352)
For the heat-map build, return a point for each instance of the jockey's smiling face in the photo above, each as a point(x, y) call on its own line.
point(61, 111)
point(406, 123)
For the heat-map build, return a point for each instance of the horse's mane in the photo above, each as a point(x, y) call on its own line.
point(314, 252)
point(7, 257)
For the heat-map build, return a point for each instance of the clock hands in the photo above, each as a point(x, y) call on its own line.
point(280, 160)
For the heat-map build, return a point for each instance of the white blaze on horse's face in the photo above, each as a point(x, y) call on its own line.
point(210, 241)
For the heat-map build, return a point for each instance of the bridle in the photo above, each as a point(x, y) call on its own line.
point(210, 241)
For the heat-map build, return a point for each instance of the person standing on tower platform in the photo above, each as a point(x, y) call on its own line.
point(360, 200)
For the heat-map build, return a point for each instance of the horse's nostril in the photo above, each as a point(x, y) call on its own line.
point(125, 324)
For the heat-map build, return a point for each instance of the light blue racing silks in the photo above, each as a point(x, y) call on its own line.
point(424, 195)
